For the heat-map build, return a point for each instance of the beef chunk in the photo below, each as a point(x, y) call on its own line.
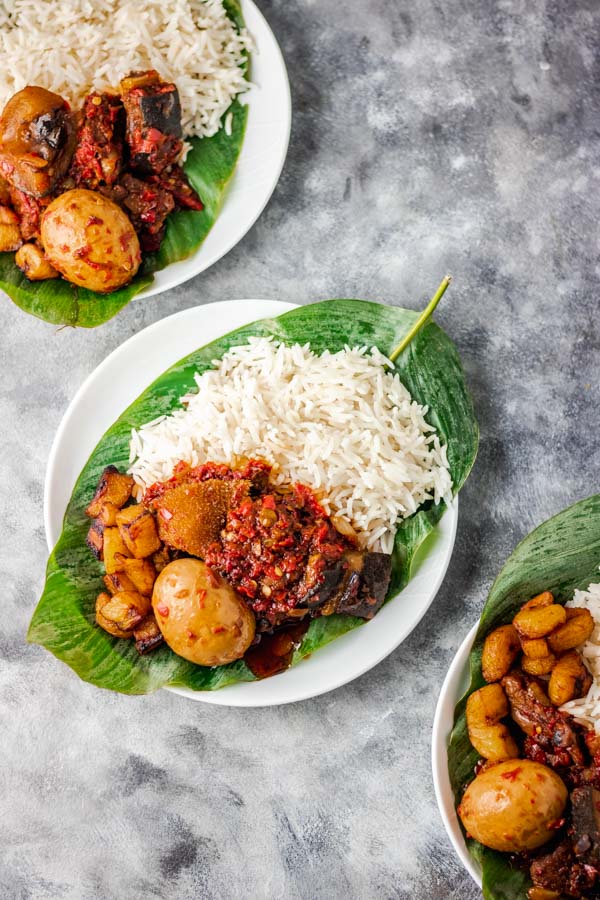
point(551, 870)
point(147, 205)
point(585, 811)
point(316, 591)
point(175, 181)
point(29, 209)
point(154, 128)
point(98, 157)
point(374, 580)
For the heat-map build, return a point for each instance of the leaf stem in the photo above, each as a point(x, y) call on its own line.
point(423, 318)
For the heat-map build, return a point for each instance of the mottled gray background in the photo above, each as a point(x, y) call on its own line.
point(428, 136)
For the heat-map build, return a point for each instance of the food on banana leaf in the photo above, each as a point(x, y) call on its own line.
point(353, 523)
point(101, 158)
point(524, 755)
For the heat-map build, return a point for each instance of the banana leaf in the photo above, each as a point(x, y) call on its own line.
point(210, 165)
point(561, 555)
point(64, 619)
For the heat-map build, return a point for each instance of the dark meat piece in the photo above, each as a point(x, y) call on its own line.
point(147, 206)
point(585, 814)
point(319, 582)
point(98, 157)
point(552, 870)
point(29, 210)
point(153, 122)
point(191, 516)
point(175, 181)
point(534, 714)
point(374, 580)
point(37, 139)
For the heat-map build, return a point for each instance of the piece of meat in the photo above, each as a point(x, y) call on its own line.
point(176, 182)
point(29, 209)
point(552, 870)
point(585, 829)
point(98, 158)
point(147, 206)
point(374, 580)
point(547, 725)
point(319, 584)
point(191, 516)
point(37, 140)
point(153, 112)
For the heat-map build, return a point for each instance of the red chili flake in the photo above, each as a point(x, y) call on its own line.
point(201, 597)
point(512, 775)
point(268, 501)
point(165, 514)
point(162, 610)
point(94, 220)
point(218, 629)
point(191, 635)
point(214, 580)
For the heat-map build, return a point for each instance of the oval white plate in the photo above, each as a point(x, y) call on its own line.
point(455, 684)
point(260, 162)
point(115, 384)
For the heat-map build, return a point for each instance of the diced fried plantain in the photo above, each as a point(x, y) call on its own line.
point(126, 609)
point(118, 582)
point(104, 623)
point(33, 264)
point(142, 573)
point(108, 514)
point(147, 635)
point(95, 538)
point(4, 191)
point(115, 551)
point(10, 235)
point(114, 488)
point(138, 530)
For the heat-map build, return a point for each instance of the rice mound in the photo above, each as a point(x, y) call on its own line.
point(587, 709)
point(74, 46)
point(342, 423)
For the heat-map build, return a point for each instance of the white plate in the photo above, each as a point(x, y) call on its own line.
point(455, 684)
point(110, 389)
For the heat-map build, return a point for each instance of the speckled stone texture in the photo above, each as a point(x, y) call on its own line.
point(428, 136)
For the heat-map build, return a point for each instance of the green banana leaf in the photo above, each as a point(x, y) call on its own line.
point(210, 165)
point(561, 555)
point(64, 619)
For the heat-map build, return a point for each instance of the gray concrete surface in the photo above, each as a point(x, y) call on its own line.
point(428, 136)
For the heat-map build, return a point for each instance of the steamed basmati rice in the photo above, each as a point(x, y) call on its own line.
point(73, 46)
point(587, 709)
point(341, 423)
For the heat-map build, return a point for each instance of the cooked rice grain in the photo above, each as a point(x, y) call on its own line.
point(341, 423)
point(74, 46)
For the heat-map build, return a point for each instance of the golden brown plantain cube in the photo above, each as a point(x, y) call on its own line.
point(104, 623)
point(95, 538)
point(114, 488)
point(126, 609)
point(569, 680)
point(539, 621)
point(535, 648)
point(147, 635)
point(541, 665)
point(115, 551)
point(500, 650)
point(4, 192)
point(33, 264)
point(138, 530)
point(108, 514)
point(543, 599)
point(118, 582)
point(487, 733)
point(577, 629)
point(142, 573)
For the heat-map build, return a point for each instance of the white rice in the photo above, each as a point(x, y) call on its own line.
point(587, 709)
point(341, 423)
point(74, 46)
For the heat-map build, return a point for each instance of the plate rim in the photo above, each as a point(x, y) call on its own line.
point(180, 277)
point(226, 696)
point(450, 694)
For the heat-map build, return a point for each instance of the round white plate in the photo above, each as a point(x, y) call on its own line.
point(261, 159)
point(115, 384)
point(455, 684)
